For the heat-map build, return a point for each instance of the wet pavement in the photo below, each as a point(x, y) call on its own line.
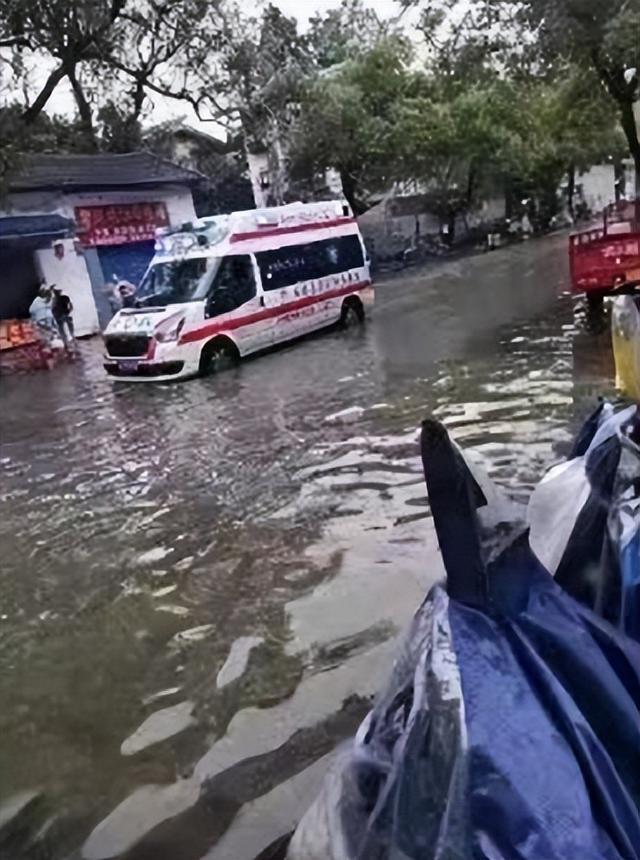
point(201, 583)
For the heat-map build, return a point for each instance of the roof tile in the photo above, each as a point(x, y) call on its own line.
point(99, 171)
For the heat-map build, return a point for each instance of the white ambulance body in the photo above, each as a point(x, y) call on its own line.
point(231, 285)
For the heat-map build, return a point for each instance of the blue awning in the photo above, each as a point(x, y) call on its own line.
point(35, 226)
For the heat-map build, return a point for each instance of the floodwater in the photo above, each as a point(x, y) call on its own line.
point(201, 584)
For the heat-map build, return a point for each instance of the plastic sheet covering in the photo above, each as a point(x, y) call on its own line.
point(625, 320)
point(584, 518)
point(510, 726)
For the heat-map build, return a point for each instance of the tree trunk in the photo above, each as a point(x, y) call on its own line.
point(84, 108)
point(508, 197)
point(628, 122)
point(36, 107)
point(139, 96)
point(471, 185)
point(349, 190)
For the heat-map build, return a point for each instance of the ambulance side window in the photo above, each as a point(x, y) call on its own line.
point(282, 267)
point(233, 285)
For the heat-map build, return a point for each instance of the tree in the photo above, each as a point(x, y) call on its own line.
point(44, 134)
point(117, 51)
point(348, 121)
point(569, 125)
point(542, 38)
point(265, 57)
point(227, 187)
point(241, 71)
point(461, 142)
point(66, 34)
point(342, 32)
point(602, 36)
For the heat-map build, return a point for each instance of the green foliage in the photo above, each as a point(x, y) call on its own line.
point(348, 121)
point(119, 131)
point(264, 62)
point(340, 34)
point(462, 128)
point(540, 39)
point(457, 143)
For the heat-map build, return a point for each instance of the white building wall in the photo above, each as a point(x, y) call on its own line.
point(71, 275)
point(598, 186)
point(629, 189)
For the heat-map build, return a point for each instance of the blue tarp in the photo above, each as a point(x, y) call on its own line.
point(510, 727)
point(584, 518)
point(33, 226)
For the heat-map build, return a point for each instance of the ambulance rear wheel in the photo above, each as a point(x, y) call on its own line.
point(217, 355)
point(352, 314)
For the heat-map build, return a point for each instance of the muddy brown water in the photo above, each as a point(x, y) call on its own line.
point(201, 584)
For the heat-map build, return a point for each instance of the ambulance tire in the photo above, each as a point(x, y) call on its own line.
point(219, 354)
point(352, 314)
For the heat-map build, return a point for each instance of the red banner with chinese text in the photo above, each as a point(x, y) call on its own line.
point(120, 223)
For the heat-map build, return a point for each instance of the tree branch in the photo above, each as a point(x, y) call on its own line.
point(45, 93)
point(15, 42)
point(183, 94)
point(84, 108)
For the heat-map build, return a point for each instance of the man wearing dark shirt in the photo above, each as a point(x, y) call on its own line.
point(61, 309)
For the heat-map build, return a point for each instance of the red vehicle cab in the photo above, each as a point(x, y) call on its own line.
point(605, 259)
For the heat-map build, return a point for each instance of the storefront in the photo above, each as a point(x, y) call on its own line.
point(114, 204)
point(123, 235)
point(119, 242)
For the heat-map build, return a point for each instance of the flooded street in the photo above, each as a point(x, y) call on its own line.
point(201, 583)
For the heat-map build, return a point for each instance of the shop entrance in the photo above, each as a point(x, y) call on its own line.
point(18, 280)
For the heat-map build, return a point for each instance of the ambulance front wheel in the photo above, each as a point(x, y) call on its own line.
point(219, 354)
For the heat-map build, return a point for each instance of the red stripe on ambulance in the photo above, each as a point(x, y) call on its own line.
point(212, 328)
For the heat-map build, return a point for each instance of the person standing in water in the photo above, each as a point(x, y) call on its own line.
point(62, 308)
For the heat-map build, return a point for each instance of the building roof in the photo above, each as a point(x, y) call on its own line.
point(101, 170)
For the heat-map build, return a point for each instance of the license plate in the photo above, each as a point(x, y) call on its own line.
point(128, 366)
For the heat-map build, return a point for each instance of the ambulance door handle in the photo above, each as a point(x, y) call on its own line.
point(261, 301)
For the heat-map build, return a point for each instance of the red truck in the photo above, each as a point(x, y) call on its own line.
point(606, 260)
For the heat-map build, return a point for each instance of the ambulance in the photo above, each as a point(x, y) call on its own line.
point(228, 286)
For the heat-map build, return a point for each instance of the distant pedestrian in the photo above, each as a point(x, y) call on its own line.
point(62, 308)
